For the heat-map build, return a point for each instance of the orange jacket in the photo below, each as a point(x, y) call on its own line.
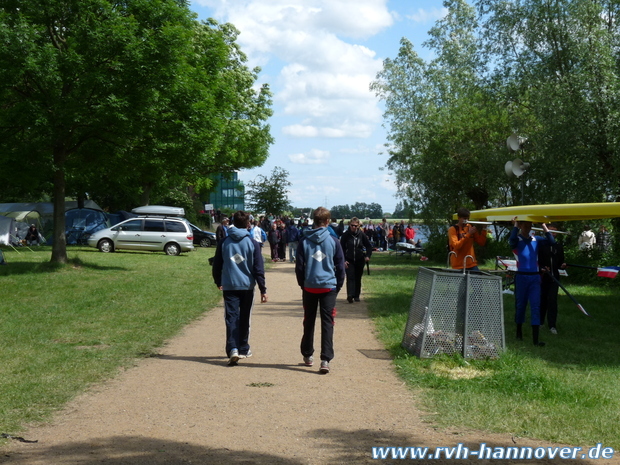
point(462, 243)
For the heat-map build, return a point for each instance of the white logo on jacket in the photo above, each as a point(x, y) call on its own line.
point(237, 258)
point(319, 256)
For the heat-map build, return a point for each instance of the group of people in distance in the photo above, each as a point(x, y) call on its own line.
point(539, 260)
point(322, 261)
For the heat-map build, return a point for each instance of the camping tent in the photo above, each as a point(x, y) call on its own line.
point(41, 214)
point(82, 222)
point(119, 216)
point(7, 228)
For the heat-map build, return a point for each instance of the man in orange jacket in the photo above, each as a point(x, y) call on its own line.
point(461, 238)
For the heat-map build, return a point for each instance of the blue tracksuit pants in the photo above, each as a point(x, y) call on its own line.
point(527, 289)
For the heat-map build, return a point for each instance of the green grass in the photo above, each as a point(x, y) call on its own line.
point(564, 392)
point(63, 328)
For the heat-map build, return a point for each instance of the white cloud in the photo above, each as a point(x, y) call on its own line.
point(314, 157)
point(324, 78)
point(340, 130)
point(364, 150)
point(427, 16)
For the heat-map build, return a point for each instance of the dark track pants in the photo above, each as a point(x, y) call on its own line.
point(237, 314)
point(354, 273)
point(326, 303)
point(549, 301)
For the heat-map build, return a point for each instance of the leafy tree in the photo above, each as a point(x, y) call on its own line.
point(341, 211)
point(269, 194)
point(445, 126)
point(130, 97)
point(546, 70)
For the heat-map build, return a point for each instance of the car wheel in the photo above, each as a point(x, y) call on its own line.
point(172, 249)
point(205, 242)
point(106, 245)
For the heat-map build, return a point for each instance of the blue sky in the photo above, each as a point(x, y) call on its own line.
point(319, 57)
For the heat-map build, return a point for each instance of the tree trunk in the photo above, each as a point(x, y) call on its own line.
point(145, 197)
point(59, 246)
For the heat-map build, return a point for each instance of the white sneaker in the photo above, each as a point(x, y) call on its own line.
point(248, 355)
point(234, 357)
point(553, 331)
point(324, 367)
point(309, 361)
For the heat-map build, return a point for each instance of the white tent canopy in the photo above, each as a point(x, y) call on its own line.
point(7, 228)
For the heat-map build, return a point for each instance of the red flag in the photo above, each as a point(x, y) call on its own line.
point(608, 271)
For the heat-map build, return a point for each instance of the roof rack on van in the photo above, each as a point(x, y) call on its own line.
point(159, 210)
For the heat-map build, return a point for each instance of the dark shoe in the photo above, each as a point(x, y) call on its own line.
point(350, 300)
point(539, 344)
point(357, 299)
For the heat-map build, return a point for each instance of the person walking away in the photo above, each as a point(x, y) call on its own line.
point(283, 241)
point(384, 228)
point(357, 251)
point(461, 239)
point(221, 231)
point(550, 261)
point(274, 240)
point(257, 233)
point(527, 279)
point(292, 235)
point(319, 269)
point(237, 268)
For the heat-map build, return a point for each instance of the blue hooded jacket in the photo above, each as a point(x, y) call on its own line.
point(238, 263)
point(319, 263)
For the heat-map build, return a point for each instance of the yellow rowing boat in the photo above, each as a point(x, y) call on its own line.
point(549, 213)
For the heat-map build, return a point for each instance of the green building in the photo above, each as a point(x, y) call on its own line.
point(229, 192)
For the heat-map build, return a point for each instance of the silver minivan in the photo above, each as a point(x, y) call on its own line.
point(159, 233)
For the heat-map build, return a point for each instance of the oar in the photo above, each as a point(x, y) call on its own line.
point(583, 266)
point(579, 306)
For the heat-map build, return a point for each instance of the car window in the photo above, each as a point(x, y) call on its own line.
point(153, 225)
point(175, 226)
point(133, 225)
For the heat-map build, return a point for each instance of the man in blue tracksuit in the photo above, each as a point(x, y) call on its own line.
point(237, 268)
point(319, 268)
point(527, 279)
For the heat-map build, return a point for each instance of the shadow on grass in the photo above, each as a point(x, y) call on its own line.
point(24, 267)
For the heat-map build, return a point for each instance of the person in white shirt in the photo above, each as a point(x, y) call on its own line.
point(587, 239)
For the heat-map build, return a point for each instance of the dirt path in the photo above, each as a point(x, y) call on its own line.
point(188, 406)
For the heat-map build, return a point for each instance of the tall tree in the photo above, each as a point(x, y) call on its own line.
point(558, 62)
point(269, 194)
point(100, 94)
point(444, 121)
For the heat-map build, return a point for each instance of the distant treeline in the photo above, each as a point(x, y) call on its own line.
point(360, 210)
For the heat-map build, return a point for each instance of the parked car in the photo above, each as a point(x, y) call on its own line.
point(203, 238)
point(171, 235)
